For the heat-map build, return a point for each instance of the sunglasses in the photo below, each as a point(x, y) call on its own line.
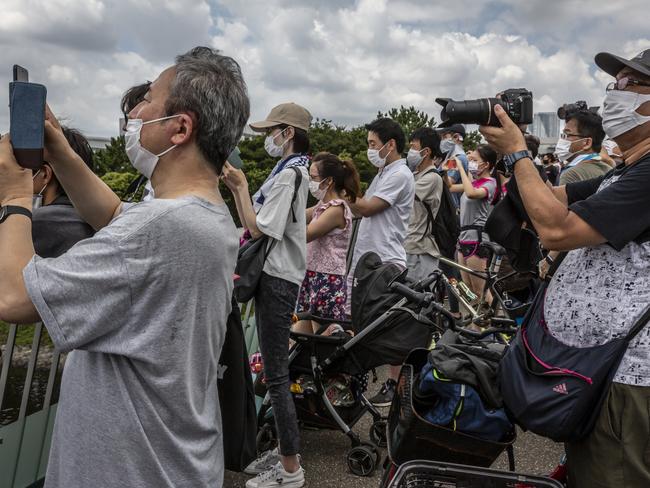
point(624, 82)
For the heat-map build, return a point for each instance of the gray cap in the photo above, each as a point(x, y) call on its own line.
point(455, 128)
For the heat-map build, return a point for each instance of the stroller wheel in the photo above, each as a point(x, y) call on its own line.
point(362, 460)
point(378, 433)
point(266, 439)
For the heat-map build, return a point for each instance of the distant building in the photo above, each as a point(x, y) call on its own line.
point(546, 126)
point(97, 143)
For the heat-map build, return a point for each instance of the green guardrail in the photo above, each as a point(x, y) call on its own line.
point(29, 386)
point(29, 382)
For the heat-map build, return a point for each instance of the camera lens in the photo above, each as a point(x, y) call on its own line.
point(480, 111)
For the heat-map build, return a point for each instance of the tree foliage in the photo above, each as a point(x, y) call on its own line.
point(114, 167)
point(409, 118)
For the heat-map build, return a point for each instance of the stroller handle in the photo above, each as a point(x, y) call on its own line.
point(426, 299)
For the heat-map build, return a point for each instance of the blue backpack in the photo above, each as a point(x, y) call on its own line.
point(458, 406)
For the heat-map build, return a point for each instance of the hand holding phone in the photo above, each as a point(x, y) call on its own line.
point(27, 119)
point(451, 163)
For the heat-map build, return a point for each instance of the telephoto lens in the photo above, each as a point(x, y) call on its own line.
point(517, 102)
point(480, 111)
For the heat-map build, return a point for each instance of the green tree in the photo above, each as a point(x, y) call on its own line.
point(112, 158)
point(409, 118)
point(119, 182)
point(471, 140)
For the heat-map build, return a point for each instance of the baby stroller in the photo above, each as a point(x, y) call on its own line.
point(329, 373)
point(426, 454)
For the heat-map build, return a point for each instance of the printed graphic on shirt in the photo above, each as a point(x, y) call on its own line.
point(597, 295)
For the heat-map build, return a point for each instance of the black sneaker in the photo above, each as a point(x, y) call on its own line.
point(385, 395)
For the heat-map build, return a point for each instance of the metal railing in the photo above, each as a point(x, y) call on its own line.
point(26, 427)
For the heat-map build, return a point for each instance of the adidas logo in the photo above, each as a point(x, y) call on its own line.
point(561, 388)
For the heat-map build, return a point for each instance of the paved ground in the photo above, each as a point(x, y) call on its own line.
point(323, 454)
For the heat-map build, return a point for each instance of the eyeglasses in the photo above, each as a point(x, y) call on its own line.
point(624, 82)
point(565, 136)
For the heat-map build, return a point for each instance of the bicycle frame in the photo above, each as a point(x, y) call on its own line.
point(489, 276)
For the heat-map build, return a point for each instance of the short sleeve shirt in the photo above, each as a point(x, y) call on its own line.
point(384, 232)
point(287, 259)
point(475, 211)
point(428, 190)
point(142, 305)
point(598, 292)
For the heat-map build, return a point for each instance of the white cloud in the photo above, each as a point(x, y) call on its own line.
point(343, 60)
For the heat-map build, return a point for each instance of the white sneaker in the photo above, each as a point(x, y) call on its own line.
point(265, 461)
point(276, 476)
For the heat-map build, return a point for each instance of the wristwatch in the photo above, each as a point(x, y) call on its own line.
point(510, 159)
point(8, 210)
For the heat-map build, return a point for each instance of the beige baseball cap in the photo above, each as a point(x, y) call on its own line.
point(286, 113)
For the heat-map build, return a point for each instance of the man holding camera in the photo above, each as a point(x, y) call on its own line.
point(142, 305)
point(579, 146)
point(603, 285)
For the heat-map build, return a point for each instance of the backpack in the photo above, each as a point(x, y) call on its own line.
point(445, 227)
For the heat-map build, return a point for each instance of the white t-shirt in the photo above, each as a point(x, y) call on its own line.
point(287, 259)
point(384, 232)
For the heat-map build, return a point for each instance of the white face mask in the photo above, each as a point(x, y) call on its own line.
point(473, 168)
point(272, 148)
point(619, 112)
point(316, 191)
point(375, 159)
point(563, 148)
point(141, 159)
point(414, 158)
point(37, 199)
point(447, 146)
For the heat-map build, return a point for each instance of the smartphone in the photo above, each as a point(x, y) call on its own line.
point(450, 164)
point(20, 73)
point(235, 159)
point(27, 119)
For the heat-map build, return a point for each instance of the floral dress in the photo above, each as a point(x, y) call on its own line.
point(324, 292)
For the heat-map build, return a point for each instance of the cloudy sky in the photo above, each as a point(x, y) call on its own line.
point(342, 59)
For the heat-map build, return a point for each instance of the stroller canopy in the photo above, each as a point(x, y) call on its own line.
point(391, 340)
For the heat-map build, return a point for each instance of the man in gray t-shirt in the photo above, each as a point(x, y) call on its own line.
point(142, 305)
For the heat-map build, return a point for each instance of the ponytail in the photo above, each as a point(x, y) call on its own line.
point(344, 174)
point(351, 181)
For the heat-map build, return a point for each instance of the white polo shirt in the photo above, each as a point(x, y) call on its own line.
point(384, 232)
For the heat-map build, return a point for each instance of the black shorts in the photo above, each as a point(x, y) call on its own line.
point(469, 249)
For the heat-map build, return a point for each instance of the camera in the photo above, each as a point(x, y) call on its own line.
point(517, 102)
point(570, 108)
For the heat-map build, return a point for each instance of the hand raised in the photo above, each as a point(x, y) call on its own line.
point(15, 181)
point(506, 139)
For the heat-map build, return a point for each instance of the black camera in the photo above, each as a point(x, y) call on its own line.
point(517, 102)
point(570, 108)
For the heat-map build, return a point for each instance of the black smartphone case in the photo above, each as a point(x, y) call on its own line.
point(27, 122)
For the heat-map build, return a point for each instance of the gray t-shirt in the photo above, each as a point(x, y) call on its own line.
point(288, 258)
point(475, 211)
point(142, 305)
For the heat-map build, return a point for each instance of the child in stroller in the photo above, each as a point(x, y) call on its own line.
point(329, 373)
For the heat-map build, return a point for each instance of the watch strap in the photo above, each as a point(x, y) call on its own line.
point(511, 159)
point(8, 210)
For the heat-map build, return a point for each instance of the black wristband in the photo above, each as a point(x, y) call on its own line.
point(8, 210)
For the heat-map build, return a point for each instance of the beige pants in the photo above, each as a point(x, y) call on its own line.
point(617, 452)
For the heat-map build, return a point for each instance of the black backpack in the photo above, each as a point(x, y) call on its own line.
point(445, 227)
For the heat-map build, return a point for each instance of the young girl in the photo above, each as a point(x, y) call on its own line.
point(479, 191)
point(333, 183)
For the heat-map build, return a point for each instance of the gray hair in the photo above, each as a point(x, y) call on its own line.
point(212, 87)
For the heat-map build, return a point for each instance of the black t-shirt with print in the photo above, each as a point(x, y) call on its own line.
point(621, 211)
